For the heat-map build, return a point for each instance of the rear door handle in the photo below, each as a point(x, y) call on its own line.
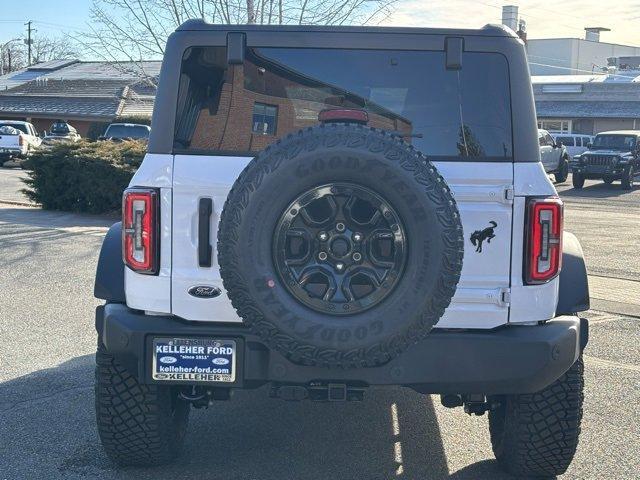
point(205, 209)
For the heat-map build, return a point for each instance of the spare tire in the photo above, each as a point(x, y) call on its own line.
point(340, 245)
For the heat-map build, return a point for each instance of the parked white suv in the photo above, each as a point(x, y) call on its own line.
point(322, 229)
point(575, 144)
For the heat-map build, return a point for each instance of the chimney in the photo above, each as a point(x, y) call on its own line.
point(592, 34)
point(510, 16)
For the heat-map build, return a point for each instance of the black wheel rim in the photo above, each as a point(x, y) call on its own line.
point(340, 248)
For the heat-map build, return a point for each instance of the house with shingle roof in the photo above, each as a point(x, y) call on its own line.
point(88, 95)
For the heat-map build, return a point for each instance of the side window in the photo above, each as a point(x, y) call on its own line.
point(549, 139)
point(264, 118)
point(542, 140)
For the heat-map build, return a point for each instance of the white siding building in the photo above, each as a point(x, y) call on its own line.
point(573, 56)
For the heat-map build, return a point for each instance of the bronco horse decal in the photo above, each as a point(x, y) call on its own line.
point(480, 236)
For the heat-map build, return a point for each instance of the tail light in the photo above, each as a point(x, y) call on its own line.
point(21, 140)
point(544, 240)
point(139, 230)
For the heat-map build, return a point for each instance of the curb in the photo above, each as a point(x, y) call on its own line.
point(20, 204)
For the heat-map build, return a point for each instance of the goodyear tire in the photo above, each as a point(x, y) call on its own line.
point(379, 231)
point(138, 424)
point(536, 435)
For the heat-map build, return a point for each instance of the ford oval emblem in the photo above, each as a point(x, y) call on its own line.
point(168, 359)
point(204, 291)
point(220, 361)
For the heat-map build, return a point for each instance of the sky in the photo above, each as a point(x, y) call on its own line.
point(545, 19)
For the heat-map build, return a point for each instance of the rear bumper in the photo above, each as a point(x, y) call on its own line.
point(512, 359)
point(8, 152)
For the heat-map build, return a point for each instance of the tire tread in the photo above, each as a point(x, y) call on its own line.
point(536, 435)
point(135, 421)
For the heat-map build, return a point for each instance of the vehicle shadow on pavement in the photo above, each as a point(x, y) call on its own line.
point(393, 433)
point(598, 190)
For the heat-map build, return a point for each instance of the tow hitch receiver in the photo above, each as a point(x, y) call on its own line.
point(319, 392)
point(473, 404)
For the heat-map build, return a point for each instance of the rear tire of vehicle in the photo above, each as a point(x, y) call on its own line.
point(563, 171)
point(578, 180)
point(142, 425)
point(340, 157)
point(536, 435)
point(607, 179)
point(628, 178)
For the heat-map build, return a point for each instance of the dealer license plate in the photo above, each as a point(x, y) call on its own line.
point(194, 360)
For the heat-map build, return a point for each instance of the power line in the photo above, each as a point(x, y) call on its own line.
point(595, 74)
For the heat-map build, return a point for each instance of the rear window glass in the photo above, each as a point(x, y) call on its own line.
point(243, 108)
point(62, 128)
point(7, 130)
point(21, 127)
point(126, 131)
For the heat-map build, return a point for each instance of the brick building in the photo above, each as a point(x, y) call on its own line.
point(88, 95)
point(260, 101)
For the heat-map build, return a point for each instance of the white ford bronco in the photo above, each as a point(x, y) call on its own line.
point(326, 209)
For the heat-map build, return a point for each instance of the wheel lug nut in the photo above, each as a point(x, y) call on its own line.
point(322, 256)
point(340, 227)
point(323, 236)
point(357, 257)
point(357, 237)
point(339, 266)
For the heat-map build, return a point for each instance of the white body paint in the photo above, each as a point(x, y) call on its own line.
point(490, 293)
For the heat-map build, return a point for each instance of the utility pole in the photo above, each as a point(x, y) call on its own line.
point(28, 41)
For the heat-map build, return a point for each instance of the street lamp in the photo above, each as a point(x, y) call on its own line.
point(2, 47)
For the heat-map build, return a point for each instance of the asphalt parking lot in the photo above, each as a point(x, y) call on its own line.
point(47, 263)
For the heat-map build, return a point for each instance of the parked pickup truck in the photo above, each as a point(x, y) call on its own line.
point(17, 139)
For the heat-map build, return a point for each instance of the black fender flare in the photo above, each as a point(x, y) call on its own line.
point(573, 294)
point(109, 284)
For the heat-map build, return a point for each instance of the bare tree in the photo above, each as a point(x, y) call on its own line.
point(132, 30)
point(45, 49)
point(13, 57)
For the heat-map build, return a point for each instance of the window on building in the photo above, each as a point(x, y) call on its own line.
point(559, 126)
point(264, 119)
